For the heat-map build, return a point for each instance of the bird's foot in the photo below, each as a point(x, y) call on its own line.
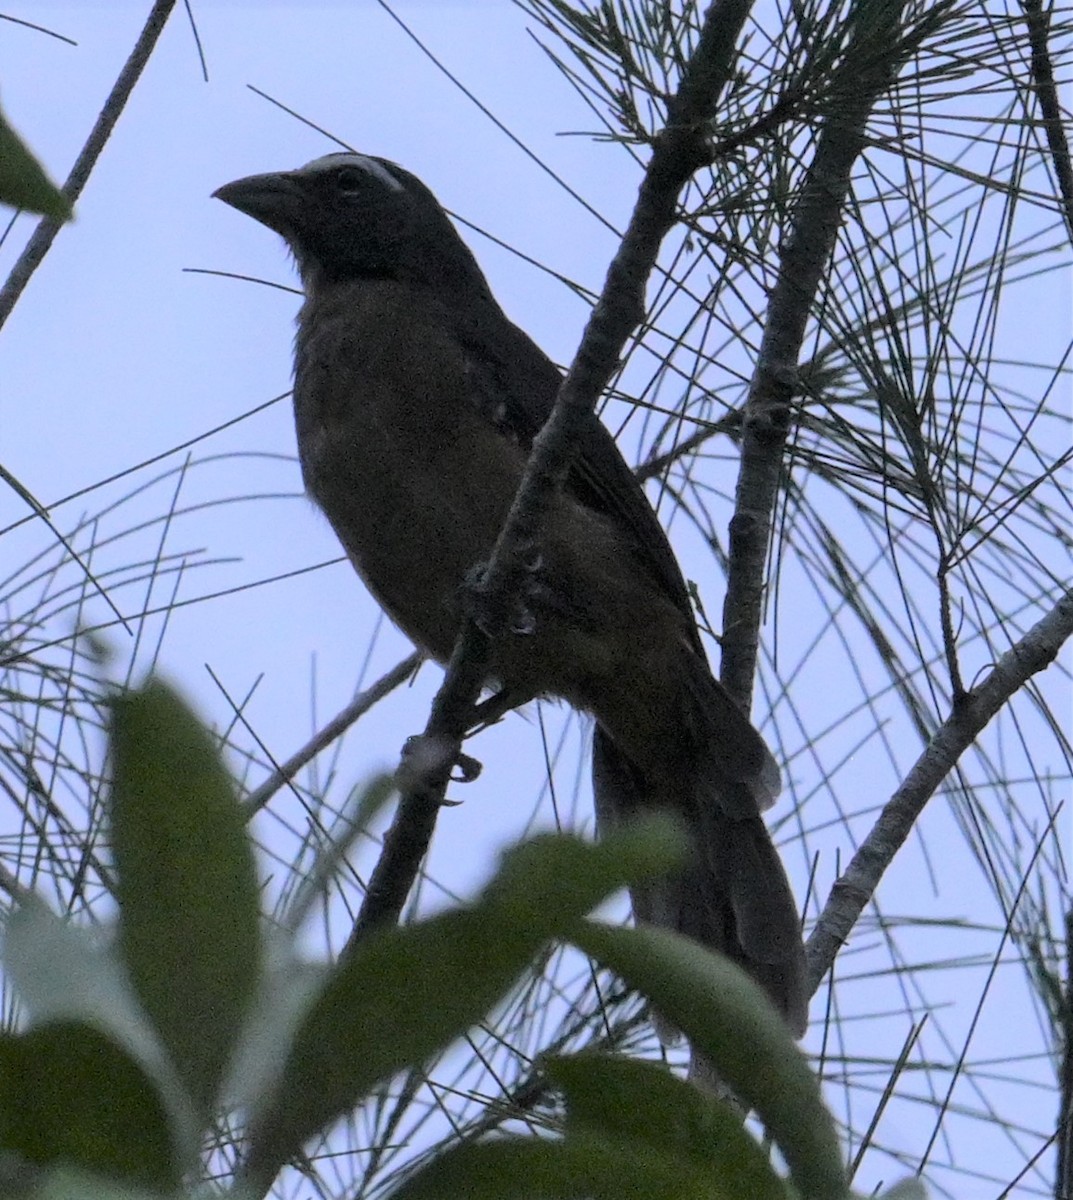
point(494, 708)
point(424, 759)
point(493, 617)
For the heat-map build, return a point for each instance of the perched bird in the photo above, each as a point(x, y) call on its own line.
point(416, 404)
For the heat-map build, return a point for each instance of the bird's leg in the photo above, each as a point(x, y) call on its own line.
point(466, 768)
point(493, 709)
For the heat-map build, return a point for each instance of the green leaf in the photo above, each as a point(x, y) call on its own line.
point(66, 1183)
point(288, 991)
point(730, 1020)
point(187, 891)
point(404, 994)
point(558, 878)
point(905, 1189)
point(70, 1095)
point(64, 974)
point(586, 1166)
point(23, 183)
point(643, 1103)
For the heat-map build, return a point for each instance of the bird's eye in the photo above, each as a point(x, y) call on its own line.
point(352, 179)
point(364, 177)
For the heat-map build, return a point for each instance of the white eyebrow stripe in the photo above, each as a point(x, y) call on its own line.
point(355, 160)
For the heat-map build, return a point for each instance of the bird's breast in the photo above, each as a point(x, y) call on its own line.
point(415, 482)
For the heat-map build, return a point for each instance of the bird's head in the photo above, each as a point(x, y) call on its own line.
point(350, 216)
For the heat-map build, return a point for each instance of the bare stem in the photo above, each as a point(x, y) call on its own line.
point(337, 726)
point(47, 228)
point(862, 78)
point(855, 887)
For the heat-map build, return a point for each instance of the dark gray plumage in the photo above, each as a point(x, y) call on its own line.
point(416, 404)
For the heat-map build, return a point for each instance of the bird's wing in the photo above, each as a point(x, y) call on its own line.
point(517, 384)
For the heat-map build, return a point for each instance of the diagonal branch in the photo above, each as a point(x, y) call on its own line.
point(852, 891)
point(335, 728)
point(43, 236)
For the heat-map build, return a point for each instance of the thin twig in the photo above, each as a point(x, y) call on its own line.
point(657, 466)
point(337, 726)
point(47, 228)
point(855, 887)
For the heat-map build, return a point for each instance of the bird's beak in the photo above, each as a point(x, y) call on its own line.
point(276, 199)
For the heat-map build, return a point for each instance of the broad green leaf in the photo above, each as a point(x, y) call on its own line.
point(402, 995)
point(66, 1183)
point(584, 1166)
point(69, 1095)
point(66, 974)
point(643, 1103)
point(905, 1189)
point(729, 1019)
point(23, 183)
point(557, 878)
point(187, 891)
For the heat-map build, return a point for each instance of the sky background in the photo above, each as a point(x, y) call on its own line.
point(119, 351)
point(143, 356)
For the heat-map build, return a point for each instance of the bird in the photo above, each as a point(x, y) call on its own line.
point(416, 404)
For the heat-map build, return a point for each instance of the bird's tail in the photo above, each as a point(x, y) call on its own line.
point(732, 894)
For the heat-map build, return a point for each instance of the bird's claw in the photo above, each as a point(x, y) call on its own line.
point(424, 758)
point(491, 616)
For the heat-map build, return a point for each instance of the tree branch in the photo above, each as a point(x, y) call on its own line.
point(337, 726)
point(1043, 84)
point(852, 891)
point(863, 76)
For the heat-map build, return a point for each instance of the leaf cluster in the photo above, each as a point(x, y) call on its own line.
point(138, 1042)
